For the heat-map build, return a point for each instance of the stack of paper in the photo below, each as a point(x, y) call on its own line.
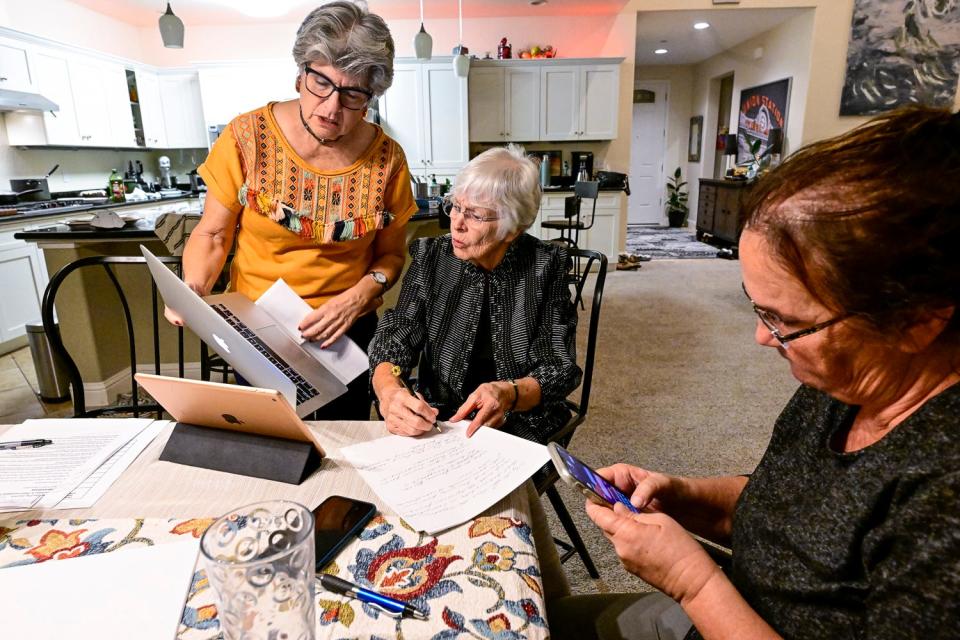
point(86, 457)
point(128, 593)
point(440, 480)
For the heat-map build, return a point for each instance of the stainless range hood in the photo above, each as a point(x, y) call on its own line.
point(21, 101)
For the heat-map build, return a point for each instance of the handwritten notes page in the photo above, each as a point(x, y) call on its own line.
point(440, 480)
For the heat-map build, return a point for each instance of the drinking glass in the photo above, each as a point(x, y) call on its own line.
point(259, 560)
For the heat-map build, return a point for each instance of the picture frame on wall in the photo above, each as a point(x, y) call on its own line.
point(696, 139)
point(762, 109)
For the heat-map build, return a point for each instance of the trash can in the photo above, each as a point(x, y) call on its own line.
point(51, 376)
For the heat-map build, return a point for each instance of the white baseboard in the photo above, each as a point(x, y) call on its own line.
point(101, 394)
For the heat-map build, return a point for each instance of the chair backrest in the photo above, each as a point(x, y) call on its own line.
point(109, 264)
point(587, 189)
point(593, 264)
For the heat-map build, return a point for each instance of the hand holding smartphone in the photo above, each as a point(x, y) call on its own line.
point(588, 481)
point(336, 521)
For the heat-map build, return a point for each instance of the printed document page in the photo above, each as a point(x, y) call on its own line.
point(343, 358)
point(440, 480)
point(43, 476)
point(133, 592)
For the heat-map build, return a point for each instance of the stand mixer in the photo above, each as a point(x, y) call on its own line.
point(166, 182)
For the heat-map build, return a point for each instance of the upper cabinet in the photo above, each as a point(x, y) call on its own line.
point(228, 90)
point(151, 108)
point(14, 68)
point(425, 111)
point(182, 111)
point(504, 104)
point(579, 102)
point(528, 101)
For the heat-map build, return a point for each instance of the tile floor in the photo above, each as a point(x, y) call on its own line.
point(18, 391)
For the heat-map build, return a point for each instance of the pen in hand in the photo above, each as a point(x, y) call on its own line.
point(388, 605)
point(399, 376)
point(24, 444)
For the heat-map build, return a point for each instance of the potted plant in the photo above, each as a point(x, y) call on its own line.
point(677, 208)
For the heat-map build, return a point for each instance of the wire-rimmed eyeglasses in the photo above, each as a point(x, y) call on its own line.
point(353, 98)
point(450, 207)
point(774, 324)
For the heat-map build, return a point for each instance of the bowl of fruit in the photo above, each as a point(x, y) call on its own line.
point(537, 52)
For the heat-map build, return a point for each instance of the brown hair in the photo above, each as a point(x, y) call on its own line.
point(869, 221)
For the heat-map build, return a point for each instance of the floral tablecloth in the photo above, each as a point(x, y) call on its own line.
point(479, 580)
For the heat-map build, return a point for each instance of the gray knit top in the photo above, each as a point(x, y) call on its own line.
point(854, 545)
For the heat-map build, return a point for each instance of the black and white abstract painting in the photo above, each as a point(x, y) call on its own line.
point(901, 52)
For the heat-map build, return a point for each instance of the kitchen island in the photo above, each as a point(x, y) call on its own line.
point(89, 311)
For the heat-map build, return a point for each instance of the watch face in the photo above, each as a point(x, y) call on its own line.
point(379, 277)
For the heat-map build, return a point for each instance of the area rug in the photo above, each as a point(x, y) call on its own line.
point(666, 243)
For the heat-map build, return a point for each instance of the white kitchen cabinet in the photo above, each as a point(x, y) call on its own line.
point(426, 112)
point(228, 90)
point(151, 109)
point(24, 277)
point(15, 70)
point(182, 111)
point(504, 104)
point(604, 233)
point(579, 102)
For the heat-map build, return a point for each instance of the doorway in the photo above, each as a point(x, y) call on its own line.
point(647, 148)
point(724, 105)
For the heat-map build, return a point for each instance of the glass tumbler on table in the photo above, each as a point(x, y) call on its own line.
point(259, 560)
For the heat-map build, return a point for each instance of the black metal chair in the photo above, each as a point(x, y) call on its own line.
point(571, 226)
point(109, 264)
point(546, 479)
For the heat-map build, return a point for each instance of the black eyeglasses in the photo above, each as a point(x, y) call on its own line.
point(774, 324)
point(352, 98)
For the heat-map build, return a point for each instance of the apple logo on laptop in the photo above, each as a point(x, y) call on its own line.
point(220, 341)
point(232, 419)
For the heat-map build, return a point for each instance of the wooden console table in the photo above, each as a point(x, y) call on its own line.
point(719, 215)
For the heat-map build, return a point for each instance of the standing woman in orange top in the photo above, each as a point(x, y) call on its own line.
point(314, 193)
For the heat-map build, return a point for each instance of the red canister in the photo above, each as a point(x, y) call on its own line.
point(503, 50)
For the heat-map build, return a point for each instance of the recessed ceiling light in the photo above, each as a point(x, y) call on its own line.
point(660, 52)
point(538, 2)
point(701, 25)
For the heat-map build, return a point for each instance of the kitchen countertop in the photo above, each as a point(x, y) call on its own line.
point(141, 229)
point(80, 209)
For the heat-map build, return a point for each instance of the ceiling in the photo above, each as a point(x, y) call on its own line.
point(217, 12)
point(673, 30)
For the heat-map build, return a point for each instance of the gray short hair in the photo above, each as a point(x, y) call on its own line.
point(348, 37)
point(505, 180)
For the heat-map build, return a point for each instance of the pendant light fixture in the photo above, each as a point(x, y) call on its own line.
point(461, 63)
point(171, 29)
point(422, 42)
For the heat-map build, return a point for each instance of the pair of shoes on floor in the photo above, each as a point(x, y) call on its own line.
point(627, 262)
point(633, 258)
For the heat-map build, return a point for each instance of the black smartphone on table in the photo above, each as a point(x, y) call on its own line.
point(335, 522)
point(588, 481)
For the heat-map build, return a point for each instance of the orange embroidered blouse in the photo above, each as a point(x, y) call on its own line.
point(315, 229)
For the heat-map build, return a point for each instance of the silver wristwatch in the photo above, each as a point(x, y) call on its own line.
point(380, 279)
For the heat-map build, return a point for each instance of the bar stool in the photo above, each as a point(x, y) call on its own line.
point(571, 226)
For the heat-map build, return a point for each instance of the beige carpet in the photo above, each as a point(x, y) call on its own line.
point(679, 386)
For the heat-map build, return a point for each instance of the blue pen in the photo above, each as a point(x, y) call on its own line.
point(384, 603)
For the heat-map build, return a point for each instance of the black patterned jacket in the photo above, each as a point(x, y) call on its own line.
point(532, 324)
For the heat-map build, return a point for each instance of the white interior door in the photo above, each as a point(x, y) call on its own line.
point(645, 204)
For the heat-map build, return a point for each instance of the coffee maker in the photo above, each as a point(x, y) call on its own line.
point(582, 160)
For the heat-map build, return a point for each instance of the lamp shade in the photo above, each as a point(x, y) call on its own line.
point(775, 141)
point(423, 44)
point(461, 65)
point(171, 29)
point(730, 144)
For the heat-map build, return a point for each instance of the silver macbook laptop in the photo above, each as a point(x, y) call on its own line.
point(250, 340)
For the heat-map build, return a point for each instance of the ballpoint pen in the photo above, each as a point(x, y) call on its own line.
point(24, 444)
point(385, 603)
point(399, 376)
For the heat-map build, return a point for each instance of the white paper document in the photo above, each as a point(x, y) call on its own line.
point(42, 477)
point(133, 592)
point(343, 358)
point(440, 480)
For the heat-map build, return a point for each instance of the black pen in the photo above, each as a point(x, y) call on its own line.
point(399, 376)
point(386, 604)
point(24, 444)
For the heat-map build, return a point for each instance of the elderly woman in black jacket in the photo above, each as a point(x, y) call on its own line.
point(484, 311)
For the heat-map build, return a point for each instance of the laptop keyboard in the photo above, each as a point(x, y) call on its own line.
point(305, 390)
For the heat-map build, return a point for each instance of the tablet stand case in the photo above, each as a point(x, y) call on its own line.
point(245, 454)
